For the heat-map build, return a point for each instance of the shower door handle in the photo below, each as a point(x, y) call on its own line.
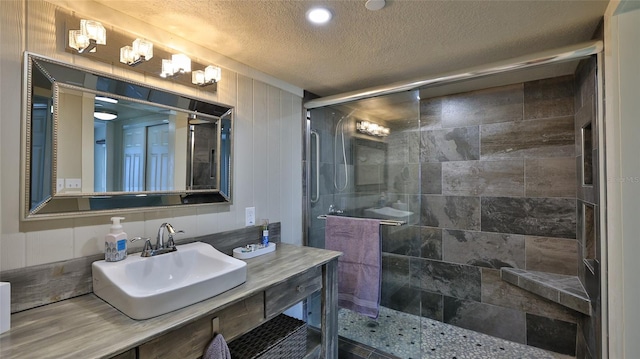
point(317, 194)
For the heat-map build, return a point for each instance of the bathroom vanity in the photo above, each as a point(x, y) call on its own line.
point(88, 327)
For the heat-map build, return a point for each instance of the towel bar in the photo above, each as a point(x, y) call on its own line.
point(385, 222)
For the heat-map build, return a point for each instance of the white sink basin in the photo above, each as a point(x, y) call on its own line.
point(145, 287)
point(387, 213)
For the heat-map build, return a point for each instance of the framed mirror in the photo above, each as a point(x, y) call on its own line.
point(98, 144)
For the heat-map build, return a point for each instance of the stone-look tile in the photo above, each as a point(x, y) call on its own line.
point(551, 334)
point(582, 352)
point(553, 255)
point(549, 98)
point(431, 178)
point(430, 113)
point(585, 82)
point(587, 193)
point(326, 179)
point(404, 240)
point(498, 104)
point(431, 305)
point(405, 299)
point(591, 283)
point(528, 139)
point(552, 286)
point(509, 276)
point(548, 217)
point(456, 144)
point(570, 300)
point(491, 250)
point(431, 243)
point(404, 178)
point(451, 212)
point(550, 177)
point(534, 286)
point(454, 212)
point(499, 292)
point(591, 329)
point(396, 272)
point(414, 301)
point(497, 321)
point(584, 116)
point(402, 147)
point(484, 178)
point(589, 230)
point(454, 280)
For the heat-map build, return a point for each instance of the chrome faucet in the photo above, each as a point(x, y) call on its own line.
point(161, 247)
point(170, 245)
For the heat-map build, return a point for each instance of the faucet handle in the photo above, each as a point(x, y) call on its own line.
point(147, 250)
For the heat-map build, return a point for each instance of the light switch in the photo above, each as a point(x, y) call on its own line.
point(73, 183)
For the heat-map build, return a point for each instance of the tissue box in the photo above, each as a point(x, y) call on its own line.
point(5, 306)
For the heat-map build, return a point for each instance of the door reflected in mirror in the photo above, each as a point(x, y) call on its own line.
point(140, 148)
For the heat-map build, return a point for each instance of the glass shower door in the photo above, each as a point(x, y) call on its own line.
point(364, 161)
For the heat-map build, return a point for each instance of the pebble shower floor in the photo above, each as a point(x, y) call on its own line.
point(399, 334)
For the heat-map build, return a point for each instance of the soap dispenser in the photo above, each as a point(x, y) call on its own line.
point(115, 242)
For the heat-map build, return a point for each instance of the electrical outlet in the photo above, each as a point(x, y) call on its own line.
point(60, 185)
point(250, 216)
point(73, 183)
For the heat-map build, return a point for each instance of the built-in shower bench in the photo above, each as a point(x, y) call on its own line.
point(565, 290)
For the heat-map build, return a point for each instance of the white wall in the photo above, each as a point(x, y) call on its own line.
point(267, 148)
point(622, 126)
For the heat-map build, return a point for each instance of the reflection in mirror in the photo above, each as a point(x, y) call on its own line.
point(127, 146)
point(97, 144)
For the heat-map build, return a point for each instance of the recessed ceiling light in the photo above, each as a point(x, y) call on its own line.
point(319, 15)
point(105, 115)
point(374, 5)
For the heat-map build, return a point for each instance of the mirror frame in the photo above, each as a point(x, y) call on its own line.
point(58, 205)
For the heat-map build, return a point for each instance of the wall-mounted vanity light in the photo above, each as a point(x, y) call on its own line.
point(91, 34)
point(372, 129)
point(141, 51)
point(209, 76)
point(179, 64)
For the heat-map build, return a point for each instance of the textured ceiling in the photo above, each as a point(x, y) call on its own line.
point(362, 48)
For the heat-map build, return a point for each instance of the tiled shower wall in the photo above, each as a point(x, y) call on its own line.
point(588, 234)
point(492, 174)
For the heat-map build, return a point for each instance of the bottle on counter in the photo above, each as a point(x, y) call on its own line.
point(265, 232)
point(115, 242)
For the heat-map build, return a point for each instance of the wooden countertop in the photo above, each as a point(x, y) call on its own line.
point(87, 327)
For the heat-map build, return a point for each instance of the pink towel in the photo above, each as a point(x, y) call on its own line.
point(360, 264)
point(217, 349)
